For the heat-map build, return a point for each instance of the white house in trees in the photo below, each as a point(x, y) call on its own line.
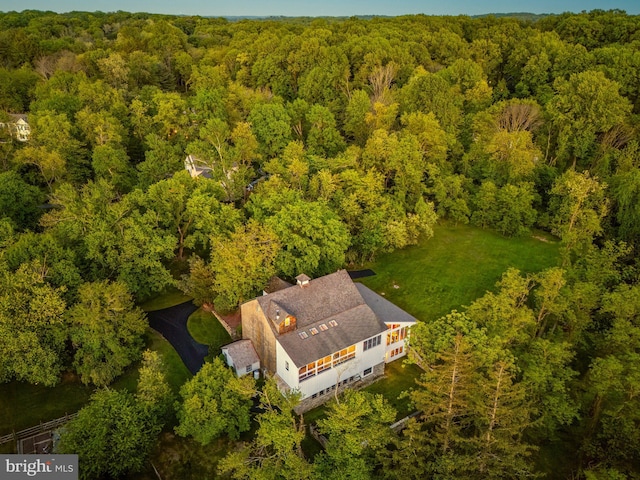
point(324, 334)
point(18, 127)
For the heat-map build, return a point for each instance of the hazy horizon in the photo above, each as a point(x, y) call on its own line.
point(291, 8)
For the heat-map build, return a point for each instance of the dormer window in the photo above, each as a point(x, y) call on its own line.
point(333, 323)
point(323, 327)
point(303, 335)
point(314, 331)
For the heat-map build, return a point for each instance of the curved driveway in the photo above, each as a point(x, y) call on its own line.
point(171, 323)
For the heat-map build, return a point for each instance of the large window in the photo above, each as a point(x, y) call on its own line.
point(396, 351)
point(344, 355)
point(396, 334)
point(372, 342)
point(326, 363)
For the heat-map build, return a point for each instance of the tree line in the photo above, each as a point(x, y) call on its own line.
point(330, 141)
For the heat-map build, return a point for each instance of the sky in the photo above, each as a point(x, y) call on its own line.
point(322, 7)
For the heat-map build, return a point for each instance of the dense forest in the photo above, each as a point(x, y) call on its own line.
point(329, 142)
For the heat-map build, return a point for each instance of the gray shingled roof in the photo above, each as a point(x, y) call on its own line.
point(332, 297)
point(322, 298)
point(18, 116)
point(383, 308)
point(242, 353)
point(275, 284)
point(354, 325)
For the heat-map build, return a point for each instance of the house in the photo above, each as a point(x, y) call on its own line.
point(325, 334)
point(242, 357)
point(18, 126)
point(196, 167)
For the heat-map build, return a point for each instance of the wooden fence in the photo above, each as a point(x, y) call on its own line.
point(43, 427)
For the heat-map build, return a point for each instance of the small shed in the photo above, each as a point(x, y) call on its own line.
point(242, 357)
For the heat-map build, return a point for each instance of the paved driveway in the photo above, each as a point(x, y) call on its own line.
point(171, 323)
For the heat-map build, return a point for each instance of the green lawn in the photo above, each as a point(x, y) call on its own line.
point(398, 378)
point(459, 264)
point(205, 328)
point(170, 297)
point(23, 405)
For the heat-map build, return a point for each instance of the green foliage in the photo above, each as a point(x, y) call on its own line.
point(153, 391)
point(242, 264)
point(276, 449)
point(313, 238)
point(215, 402)
point(32, 325)
point(106, 331)
point(508, 209)
point(19, 201)
point(357, 427)
point(357, 134)
point(578, 205)
point(585, 105)
point(112, 434)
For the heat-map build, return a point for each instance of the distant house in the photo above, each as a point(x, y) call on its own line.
point(242, 357)
point(324, 334)
point(197, 168)
point(17, 126)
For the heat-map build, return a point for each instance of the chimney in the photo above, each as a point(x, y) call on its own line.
point(302, 280)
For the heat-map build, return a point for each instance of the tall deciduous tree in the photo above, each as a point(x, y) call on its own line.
point(357, 427)
point(153, 391)
point(32, 326)
point(314, 239)
point(242, 263)
point(276, 451)
point(578, 205)
point(106, 331)
point(111, 434)
point(585, 105)
point(215, 402)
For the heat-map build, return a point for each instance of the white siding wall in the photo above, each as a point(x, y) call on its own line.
point(289, 376)
point(328, 378)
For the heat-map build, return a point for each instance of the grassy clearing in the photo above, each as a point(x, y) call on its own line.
point(184, 458)
point(170, 297)
point(205, 328)
point(398, 378)
point(23, 405)
point(459, 264)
